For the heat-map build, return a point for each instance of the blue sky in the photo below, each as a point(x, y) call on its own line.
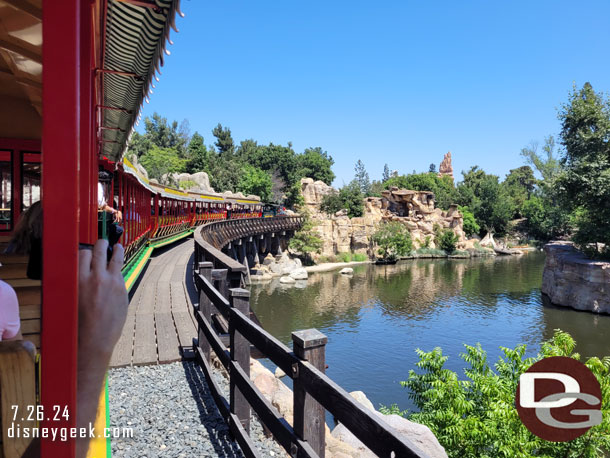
point(397, 82)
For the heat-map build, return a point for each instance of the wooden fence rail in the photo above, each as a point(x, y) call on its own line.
point(314, 391)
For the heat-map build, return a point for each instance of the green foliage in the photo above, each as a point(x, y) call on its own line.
point(255, 181)
point(546, 163)
point(519, 185)
point(470, 223)
point(487, 199)
point(188, 184)
point(445, 239)
point(158, 132)
point(224, 141)
point(199, 156)
point(477, 417)
point(160, 162)
point(305, 241)
point(348, 197)
point(585, 181)
point(360, 257)
point(546, 218)
point(427, 251)
point(442, 187)
point(393, 410)
point(393, 240)
point(362, 178)
point(432, 168)
point(386, 173)
point(317, 164)
point(344, 257)
point(427, 240)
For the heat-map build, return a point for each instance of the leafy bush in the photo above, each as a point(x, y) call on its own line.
point(430, 252)
point(305, 241)
point(349, 198)
point(546, 218)
point(445, 239)
point(344, 257)
point(477, 417)
point(470, 223)
point(188, 184)
point(393, 240)
point(360, 257)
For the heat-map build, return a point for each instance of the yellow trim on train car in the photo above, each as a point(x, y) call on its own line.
point(99, 446)
point(242, 201)
point(205, 196)
point(135, 273)
point(176, 192)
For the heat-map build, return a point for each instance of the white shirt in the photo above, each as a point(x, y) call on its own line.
point(101, 200)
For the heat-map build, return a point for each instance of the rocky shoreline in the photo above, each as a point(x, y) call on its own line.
point(572, 280)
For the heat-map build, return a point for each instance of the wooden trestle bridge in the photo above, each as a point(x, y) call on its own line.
point(191, 303)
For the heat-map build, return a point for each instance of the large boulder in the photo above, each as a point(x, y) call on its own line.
point(314, 191)
point(299, 274)
point(419, 435)
point(572, 280)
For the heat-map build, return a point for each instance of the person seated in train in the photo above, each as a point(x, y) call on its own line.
point(113, 228)
point(10, 325)
point(27, 239)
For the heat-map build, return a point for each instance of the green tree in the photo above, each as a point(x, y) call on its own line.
point(470, 223)
point(386, 173)
point(160, 133)
point(331, 203)
point(585, 181)
point(362, 178)
point(442, 187)
point(546, 163)
point(432, 168)
point(317, 164)
point(224, 141)
point(255, 181)
point(477, 418)
point(393, 240)
point(487, 199)
point(198, 155)
point(519, 185)
point(161, 162)
point(352, 199)
point(305, 241)
point(445, 239)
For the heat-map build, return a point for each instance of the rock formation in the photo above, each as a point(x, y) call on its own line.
point(572, 280)
point(446, 168)
point(414, 209)
point(341, 443)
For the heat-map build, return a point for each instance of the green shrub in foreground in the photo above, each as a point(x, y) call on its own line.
point(476, 417)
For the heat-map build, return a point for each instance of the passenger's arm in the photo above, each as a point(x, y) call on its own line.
point(102, 304)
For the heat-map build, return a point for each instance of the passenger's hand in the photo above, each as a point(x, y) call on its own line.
point(102, 309)
point(118, 217)
point(102, 299)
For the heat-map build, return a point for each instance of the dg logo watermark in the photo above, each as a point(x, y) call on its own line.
point(559, 399)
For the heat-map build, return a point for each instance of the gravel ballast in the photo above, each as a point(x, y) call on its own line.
point(173, 414)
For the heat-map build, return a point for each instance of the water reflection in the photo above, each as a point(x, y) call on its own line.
point(376, 318)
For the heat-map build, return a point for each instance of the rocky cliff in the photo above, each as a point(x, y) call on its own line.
point(572, 280)
point(414, 209)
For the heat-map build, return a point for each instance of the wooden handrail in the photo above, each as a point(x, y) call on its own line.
point(314, 391)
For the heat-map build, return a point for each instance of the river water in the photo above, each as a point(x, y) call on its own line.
point(376, 319)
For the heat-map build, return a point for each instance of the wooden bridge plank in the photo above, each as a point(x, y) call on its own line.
point(145, 345)
point(163, 301)
point(123, 350)
point(168, 346)
point(179, 302)
point(185, 328)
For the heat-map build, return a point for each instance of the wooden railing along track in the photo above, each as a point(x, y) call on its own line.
point(217, 278)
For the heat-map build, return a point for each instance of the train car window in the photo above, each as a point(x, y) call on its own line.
point(6, 191)
point(30, 179)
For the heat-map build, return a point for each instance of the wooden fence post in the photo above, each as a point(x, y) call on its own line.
point(240, 354)
point(205, 307)
point(310, 345)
